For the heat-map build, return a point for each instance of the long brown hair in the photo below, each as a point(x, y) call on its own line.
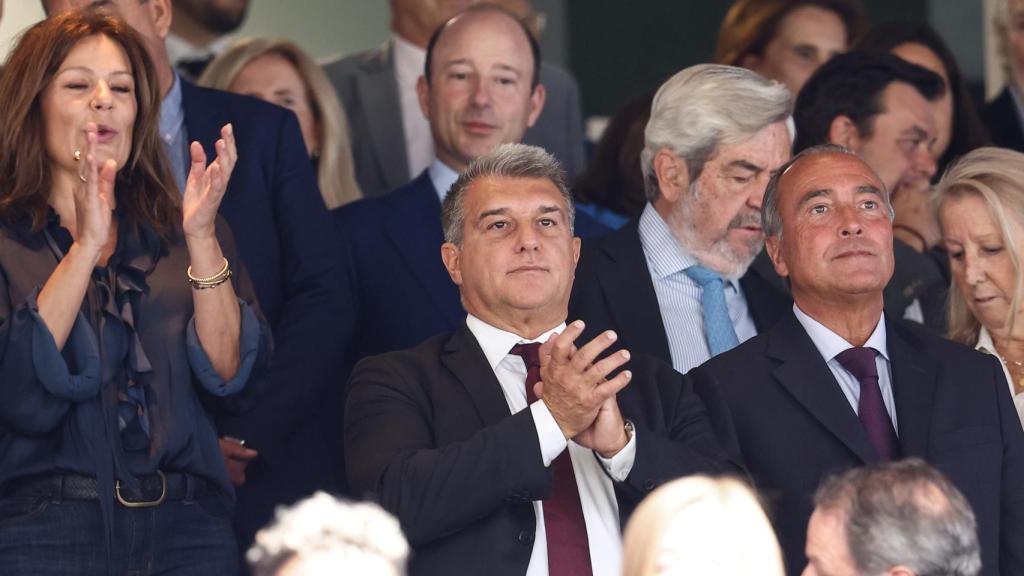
point(145, 188)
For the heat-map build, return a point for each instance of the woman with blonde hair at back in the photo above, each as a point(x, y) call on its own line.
point(701, 525)
point(278, 71)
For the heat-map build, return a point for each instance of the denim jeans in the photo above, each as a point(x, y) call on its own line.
point(43, 536)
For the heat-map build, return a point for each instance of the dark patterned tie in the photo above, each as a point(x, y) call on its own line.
point(870, 408)
point(568, 547)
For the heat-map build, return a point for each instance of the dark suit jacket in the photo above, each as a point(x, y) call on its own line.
point(286, 239)
point(368, 90)
point(785, 416)
point(428, 432)
point(393, 253)
point(1003, 122)
point(614, 291)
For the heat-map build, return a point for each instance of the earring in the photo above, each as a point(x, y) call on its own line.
point(78, 155)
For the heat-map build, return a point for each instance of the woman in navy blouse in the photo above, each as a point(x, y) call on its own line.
point(124, 318)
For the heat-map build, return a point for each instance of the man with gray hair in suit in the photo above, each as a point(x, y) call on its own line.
point(676, 283)
point(894, 519)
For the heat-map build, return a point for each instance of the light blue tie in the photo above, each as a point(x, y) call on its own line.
point(718, 328)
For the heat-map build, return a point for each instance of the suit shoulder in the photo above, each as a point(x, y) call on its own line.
point(250, 110)
point(424, 356)
point(738, 363)
point(342, 65)
point(942, 349)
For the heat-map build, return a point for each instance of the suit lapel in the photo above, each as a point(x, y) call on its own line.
point(378, 90)
point(913, 381)
point(414, 228)
point(464, 357)
point(807, 377)
point(622, 271)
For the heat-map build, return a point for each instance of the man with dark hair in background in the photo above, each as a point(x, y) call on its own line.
point(199, 32)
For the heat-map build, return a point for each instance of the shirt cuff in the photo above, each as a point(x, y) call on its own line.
point(248, 351)
point(51, 369)
point(619, 466)
point(552, 441)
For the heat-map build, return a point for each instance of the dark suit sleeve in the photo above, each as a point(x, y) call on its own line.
point(686, 445)
point(390, 452)
point(1011, 523)
point(314, 322)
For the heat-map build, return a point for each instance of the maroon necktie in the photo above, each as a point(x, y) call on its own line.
point(568, 548)
point(870, 408)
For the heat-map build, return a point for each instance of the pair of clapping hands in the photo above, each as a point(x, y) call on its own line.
point(577, 391)
point(95, 200)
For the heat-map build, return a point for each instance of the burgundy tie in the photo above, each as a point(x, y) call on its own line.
point(870, 408)
point(568, 548)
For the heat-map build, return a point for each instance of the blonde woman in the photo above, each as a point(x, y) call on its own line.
point(701, 525)
point(278, 71)
point(980, 202)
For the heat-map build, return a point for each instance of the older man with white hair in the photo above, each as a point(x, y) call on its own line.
point(677, 283)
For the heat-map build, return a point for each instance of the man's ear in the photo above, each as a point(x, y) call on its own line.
point(843, 131)
point(900, 571)
point(774, 250)
point(160, 14)
point(450, 256)
point(537, 99)
point(423, 94)
point(673, 176)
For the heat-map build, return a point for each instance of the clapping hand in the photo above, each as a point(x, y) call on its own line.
point(577, 392)
point(94, 197)
point(206, 185)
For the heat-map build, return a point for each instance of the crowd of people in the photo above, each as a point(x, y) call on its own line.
point(386, 314)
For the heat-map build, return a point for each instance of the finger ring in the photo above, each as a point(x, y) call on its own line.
point(78, 155)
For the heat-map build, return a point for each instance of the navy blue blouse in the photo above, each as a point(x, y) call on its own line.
point(59, 409)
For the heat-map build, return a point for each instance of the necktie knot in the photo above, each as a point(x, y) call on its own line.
point(704, 276)
point(530, 353)
point(860, 362)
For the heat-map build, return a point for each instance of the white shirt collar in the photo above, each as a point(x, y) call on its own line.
point(985, 343)
point(496, 342)
point(663, 251)
point(179, 49)
point(409, 59)
point(442, 177)
point(830, 344)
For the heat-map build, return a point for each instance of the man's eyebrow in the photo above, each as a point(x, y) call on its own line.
point(745, 165)
point(916, 131)
point(493, 212)
point(819, 193)
point(869, 189)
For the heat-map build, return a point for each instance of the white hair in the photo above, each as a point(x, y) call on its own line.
point(342, 537)
point(706, 106)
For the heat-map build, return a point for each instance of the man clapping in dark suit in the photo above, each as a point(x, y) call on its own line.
point(838, 383)
point(451, 437)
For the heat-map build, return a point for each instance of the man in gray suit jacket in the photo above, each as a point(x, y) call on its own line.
point(391, 140)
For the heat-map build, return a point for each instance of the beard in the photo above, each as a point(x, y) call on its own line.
point(714, 249)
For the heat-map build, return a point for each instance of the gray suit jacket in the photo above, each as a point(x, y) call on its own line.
point(368, 90)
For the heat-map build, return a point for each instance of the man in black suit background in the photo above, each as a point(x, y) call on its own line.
point(451, 437)
point(839, 384)
point(715, 135)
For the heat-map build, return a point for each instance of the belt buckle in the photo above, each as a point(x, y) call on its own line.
point(143, 503)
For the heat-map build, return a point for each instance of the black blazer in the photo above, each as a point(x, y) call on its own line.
point(286, 240)
point(392, 251)
point(429, 434)
point(1003, 122)
point(776, 405)
point(614, 291)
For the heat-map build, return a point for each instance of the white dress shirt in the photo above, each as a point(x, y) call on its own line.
point(986, 345)
point(597, 495)
point(679, 296)
point(419, 144)
point(830, 345)
point(442, 177)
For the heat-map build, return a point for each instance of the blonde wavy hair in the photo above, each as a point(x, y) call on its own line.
point(995, 175)
point(335, 170)
point(691, 526)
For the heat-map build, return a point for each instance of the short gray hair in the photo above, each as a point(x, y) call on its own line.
point(904, 513)
point(705, 106)
point(356, 537)
point(771, 219)
point(505, 161)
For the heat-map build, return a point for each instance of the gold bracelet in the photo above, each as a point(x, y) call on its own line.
point(210, 281)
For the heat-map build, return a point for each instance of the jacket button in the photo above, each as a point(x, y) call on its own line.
point(525, 537)
point(648, 484)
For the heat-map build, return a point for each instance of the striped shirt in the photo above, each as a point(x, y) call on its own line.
point(679, 296)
